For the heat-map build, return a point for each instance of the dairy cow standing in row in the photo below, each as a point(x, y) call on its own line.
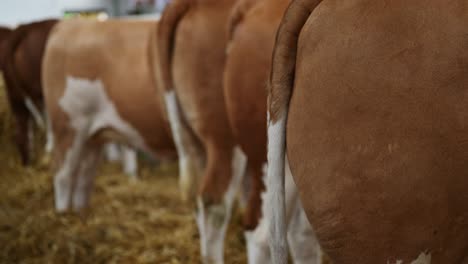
point(370, 99)
point(4, 34)
point(253, 29)
point(98, 87)
point(23, 55)
point(192, 43)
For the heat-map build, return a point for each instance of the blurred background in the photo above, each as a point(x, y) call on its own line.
point(14, 12)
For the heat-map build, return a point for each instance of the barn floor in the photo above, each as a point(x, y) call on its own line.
point(128, 222)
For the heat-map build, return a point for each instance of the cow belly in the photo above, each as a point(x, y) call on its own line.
point(380, 162)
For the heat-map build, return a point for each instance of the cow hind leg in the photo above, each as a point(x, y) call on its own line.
point(49, 136)
point(191, 157)
point(22, 119)
point(69, 151)
point(244, 193)
point(31, 146)
point(303, 244)
point(213, 214)
point(112, 152)
point(85, 177)
point(130, 162)
point(301, 238)
point(258, 239)
point(258, 250)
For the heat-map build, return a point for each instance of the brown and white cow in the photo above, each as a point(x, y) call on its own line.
point(370, 99)
point(253, 29)
point(98, 87)
point(4, 34)
point(192, 44)
point(22, 73)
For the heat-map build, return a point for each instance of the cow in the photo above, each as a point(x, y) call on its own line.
point(23, 55)
point(252, 28)
point(98, 87)
point(192, 38)
point(4, 34)
point(369, 101)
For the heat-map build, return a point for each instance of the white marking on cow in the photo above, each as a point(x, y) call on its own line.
point(130, 162)
point(89, 110)
point(423, 258)
point(212, 221)
point(301, 238)
point(257, 246)
point(304, 246)
point(275, 183)
point(37, 116)
point(65, 177)
point(190, 160)
point(86, 101)
point(112, 152)
point(49, 136)
point(258, 250)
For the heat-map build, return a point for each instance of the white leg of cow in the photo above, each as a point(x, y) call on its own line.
point(112, 152)
point(85, 178)
point(276, 191)
point(258, 251)
point(213, 220)
point(257, 241)
point(64, 179)
point(36, 114)
point(49, 136)
point(130, 162)
point(303, 243)
point(301, 237)
point(190, 159)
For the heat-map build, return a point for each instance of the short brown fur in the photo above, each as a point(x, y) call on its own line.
point(193, 36)
point(377, 125)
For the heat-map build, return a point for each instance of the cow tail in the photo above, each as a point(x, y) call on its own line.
point(165, 40)
point(182, 133)
point(280, 88)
